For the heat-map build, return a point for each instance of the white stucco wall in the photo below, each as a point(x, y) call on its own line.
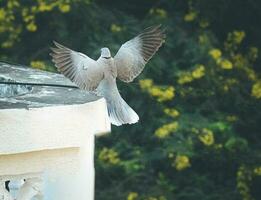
point(54, 143)
point(52, 127)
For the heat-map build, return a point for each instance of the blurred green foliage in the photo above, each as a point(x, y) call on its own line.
point(199, 98)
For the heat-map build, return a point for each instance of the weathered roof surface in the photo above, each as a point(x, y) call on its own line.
point(28, 96)
point(51, 117)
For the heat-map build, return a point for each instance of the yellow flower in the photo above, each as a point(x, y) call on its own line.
point(225, 64)
point(155, 91)
point(12, 3)
point(132, 196)
point(226, 88)
point(181, 162)
point(31, 27)
point(236, 36)
point(239, 36)
point(64, 8)
point(244, 177)
point(115, 28)
point(185, 78)
point(44, 7)
point(168, 94)
point(257, 171)
point(203, 39)
point(191, 16)
point(34, 9)
point(243, 63)
point(234, 39)
point(198, 72)
point(160, 12)
point(28, 18)
point(162, 94)
point(207, 137)
point(2, 14)
point(7, 44)
point(203, 23)
point(145, 83)
point(109, 155)
point(239, 60)
point(231, 118)
point(171, 112)
point(251, 74)
point(166, 130)
point(215, 53)
point(256, 90)
point(194, 130)
point(38, 64)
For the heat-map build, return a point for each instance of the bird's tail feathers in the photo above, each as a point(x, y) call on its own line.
point(120, 112)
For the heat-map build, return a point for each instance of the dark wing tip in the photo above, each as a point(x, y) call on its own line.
point(152, 28)
point(52, 54)
point(56, 44)
point(154, 32)
point(59, 45)
point(151, 38)
point(53, 49)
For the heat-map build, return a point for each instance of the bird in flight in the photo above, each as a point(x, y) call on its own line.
point(100, 75)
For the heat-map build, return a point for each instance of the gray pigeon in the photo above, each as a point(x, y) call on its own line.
point(100, 76)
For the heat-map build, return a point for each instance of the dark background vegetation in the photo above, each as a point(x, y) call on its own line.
point(199, 135)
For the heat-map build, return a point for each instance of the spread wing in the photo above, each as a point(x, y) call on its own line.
point(85, 72)
point(134, 54)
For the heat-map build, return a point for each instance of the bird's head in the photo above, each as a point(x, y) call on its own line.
point(105, 53)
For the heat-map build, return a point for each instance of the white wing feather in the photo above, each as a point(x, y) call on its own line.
point(85, 72)
point(134, 54)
